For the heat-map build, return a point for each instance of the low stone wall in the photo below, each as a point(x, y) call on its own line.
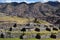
point(7, 29)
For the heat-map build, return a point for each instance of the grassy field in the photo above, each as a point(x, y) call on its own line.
point(14, 19)
point(19, 20)
point(26, 39)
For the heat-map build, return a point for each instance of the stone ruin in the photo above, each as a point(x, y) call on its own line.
point(6, 29)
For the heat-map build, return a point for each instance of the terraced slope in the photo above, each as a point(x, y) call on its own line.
point(20, 20)
point(17, 31)
point(14, 19)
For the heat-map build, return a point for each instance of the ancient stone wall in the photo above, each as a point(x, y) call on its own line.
point(27, 31)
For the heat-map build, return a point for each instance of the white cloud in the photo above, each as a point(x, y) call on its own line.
point(8, 0)
point(32, 1)
point(25, 1)
point(13, 1)
point(45, 0)
point(29, 1)
point(58, 0)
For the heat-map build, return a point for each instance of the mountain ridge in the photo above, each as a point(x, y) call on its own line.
point(39, 7)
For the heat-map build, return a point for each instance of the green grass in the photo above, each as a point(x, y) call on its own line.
point(20, 20)
point(27, 39)
point(9, 39)
point(32, 32)
point(11, 19)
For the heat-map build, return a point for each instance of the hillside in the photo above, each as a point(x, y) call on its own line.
point(20, 20)
point(26, 21)
point(33, 10)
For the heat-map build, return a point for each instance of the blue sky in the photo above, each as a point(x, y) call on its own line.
point(28, 1)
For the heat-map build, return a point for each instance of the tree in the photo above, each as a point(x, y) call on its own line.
point(2, 35)
point(23, 29)
point(53, 36)
point(10, 29)
point(37, 29)
point(15, 25)
point(21, 36)
point(38, 36)
point(35, 21)
point(55, 29)
point(48, 29)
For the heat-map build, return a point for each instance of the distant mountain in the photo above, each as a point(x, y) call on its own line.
point(36, 10)
point(55, 3)
point(28, 10)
